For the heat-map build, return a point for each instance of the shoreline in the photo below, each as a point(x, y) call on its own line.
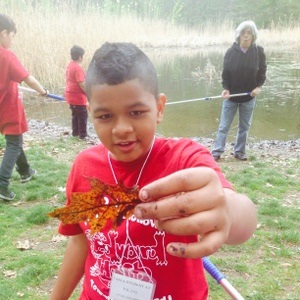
point(43, 130)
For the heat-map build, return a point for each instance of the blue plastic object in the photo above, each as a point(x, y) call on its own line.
point(212, 269)
point(56, 97)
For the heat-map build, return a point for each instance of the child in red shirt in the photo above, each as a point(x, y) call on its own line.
point(13, 121)
point(156, 253)
point(75, 94)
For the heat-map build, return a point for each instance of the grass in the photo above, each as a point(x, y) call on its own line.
point(25, 220)
point(265, 267)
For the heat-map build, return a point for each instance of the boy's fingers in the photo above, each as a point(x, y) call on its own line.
point(205, 247)
point(181, 205)
point(196, 224)
point(181, 181)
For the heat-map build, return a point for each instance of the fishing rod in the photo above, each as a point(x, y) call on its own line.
point(208, 98)
point(53, 96)
point(220, 278)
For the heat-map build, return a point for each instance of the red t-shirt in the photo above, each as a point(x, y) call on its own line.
point(137, 243)
point(12, 115)
point(74, 93)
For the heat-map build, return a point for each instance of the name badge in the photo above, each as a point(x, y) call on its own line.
point(131, 285)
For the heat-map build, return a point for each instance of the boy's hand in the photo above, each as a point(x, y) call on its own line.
point(188, 202)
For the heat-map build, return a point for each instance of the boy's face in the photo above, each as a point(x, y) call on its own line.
point(125, 117)
point(6, 39)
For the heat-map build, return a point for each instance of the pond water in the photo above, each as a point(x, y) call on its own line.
point(197, 74)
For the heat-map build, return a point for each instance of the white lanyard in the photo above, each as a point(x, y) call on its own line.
point(125, 283)
point(141, 171)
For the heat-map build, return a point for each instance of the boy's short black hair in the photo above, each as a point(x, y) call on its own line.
point(115, 63)
point(76, 52)
point(6, 23)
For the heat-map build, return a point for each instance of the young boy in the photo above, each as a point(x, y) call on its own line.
point(13, 122)
point(187, 195)
point(75, 94)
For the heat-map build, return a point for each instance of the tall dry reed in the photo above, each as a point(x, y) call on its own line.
point(44, 40)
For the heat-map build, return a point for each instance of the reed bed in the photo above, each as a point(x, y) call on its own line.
point(44, 40)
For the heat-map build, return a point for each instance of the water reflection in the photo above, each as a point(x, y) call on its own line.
point(196, 74)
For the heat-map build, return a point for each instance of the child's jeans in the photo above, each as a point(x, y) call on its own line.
point(13, 155)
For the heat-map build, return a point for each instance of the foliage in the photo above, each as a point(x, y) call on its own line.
point(2, 141)
point(103, 203)
point(191, 13)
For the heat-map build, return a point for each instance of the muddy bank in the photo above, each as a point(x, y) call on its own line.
point(41, 130)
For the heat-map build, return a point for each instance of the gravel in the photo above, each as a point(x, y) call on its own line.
point(42, 130)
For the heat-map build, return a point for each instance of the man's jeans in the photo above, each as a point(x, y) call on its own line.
point(245, 118)
point(13, 155)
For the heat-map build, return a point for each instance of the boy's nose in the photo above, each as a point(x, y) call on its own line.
point(122, 127)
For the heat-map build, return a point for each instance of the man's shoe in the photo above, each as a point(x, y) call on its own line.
point(6, 194)
point(27, 176)
point(242, 157)
point(217, 157)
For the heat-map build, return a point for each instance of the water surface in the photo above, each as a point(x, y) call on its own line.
point(196, 74)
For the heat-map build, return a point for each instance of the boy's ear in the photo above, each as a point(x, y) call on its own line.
point(3, 32)
point(161, 103)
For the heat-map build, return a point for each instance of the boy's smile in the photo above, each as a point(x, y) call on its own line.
point(125, 117)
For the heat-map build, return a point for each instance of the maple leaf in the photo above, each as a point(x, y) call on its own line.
point(102, 203)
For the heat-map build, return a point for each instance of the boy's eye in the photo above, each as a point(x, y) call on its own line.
point(136, 112)
point(104, 117)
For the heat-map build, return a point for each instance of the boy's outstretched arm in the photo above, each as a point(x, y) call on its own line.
point(72, 268)
point(34, 84)
point(193, 202)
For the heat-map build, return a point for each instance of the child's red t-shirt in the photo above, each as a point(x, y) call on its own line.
point(12, 115)
point(138, 244)
point(74, 75)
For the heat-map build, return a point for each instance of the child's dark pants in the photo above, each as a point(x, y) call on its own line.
point(13, 155)
point(79, 120)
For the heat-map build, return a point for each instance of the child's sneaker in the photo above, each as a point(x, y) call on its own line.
point(6, 194)
point(27, 176)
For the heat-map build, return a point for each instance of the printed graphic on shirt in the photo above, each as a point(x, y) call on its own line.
point(110, 252)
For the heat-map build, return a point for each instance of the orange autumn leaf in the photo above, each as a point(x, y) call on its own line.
point(102, 203)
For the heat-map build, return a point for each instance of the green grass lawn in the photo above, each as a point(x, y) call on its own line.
point(265, 267)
